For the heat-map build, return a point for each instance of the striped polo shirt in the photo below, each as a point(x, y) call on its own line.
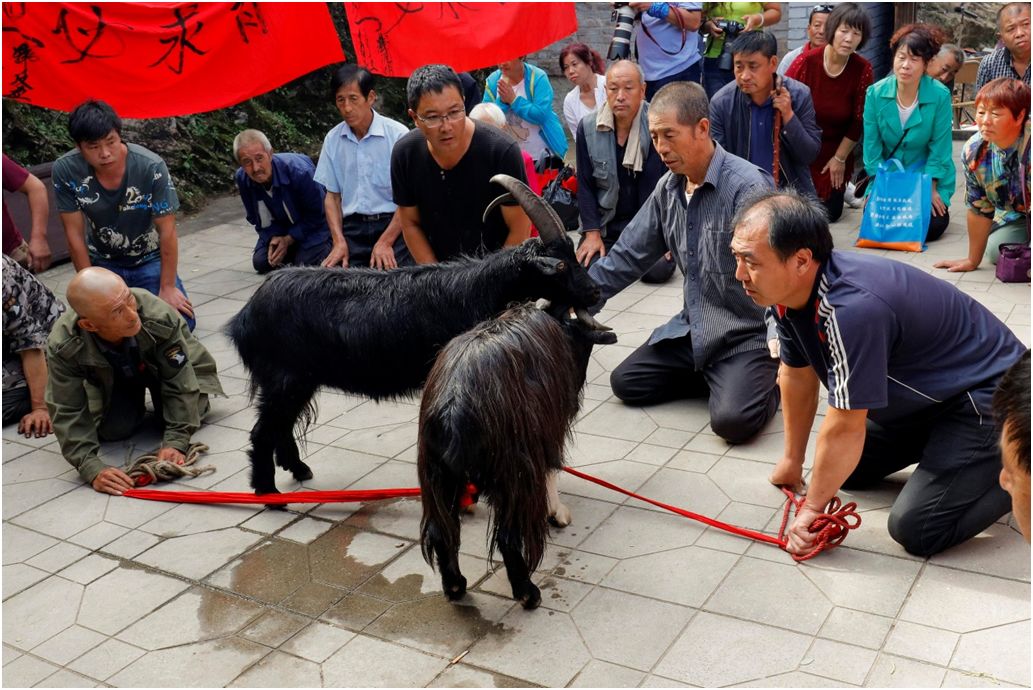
point(889, 338)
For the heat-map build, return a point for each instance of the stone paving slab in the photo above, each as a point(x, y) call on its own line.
point(101, 590)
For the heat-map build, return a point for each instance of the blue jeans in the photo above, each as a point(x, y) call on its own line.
point(691, 73)
point(146, 276)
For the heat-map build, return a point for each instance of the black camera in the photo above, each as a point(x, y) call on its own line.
point(620, 45)
point(731, 29)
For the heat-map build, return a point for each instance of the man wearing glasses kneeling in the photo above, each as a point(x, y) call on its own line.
point(441, 175)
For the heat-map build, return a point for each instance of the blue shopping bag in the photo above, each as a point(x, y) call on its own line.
point(898, 210)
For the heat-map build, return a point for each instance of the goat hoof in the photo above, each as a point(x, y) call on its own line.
point(457, 590)
point(532, 597)
point(302, 472)
point(561, 517)
point(271, 506)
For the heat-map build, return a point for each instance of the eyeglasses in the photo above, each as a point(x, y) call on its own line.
point(821, 9)
point(435, 121)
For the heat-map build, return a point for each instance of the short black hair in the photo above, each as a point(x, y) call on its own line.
point(755, 42)
point(851, 15)
point(687, 99)
point(795, 222)
point(430, 79)
point(93, 120)
point(348, 74)
point(1011, 407)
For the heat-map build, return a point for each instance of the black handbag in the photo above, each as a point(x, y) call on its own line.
point(562, 200)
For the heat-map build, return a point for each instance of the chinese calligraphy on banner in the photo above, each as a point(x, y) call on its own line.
point(160, 59)
point(394, 38)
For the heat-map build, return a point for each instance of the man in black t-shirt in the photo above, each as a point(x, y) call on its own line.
point(441, 172)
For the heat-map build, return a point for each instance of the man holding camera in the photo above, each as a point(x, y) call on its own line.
point(764, 118)
point(723, 21)
point(667, 44)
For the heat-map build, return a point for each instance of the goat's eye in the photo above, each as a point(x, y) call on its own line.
point(561, 266)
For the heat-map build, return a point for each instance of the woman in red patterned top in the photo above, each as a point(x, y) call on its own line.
point(838, 78)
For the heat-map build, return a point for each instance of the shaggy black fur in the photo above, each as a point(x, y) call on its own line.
point(376, 333)
point(496, 411)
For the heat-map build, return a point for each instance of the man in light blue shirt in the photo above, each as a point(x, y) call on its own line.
point(668, 43)
point(355, 168)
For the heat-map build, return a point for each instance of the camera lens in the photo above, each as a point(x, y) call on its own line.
point(620, 46)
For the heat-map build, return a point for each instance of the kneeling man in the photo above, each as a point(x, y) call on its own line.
point(284, 203)
point(910, 363)
point(112, 344)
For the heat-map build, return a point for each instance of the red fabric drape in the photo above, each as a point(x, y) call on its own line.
point(394, 38)
point(160, 59)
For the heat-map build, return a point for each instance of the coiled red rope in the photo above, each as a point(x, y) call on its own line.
point(831, 527)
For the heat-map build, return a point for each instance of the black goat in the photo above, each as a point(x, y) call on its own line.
point(496, 411)
point(377, 333)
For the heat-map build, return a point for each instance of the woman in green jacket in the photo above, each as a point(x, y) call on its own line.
point(907, 116)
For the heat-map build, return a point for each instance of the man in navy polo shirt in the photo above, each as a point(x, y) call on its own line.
point(910, 364)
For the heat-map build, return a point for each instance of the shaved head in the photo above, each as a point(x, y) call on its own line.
point(91, 287)
point(104, 304)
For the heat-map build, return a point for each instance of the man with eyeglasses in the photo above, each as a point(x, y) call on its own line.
point(815, 36)
point(441, 175)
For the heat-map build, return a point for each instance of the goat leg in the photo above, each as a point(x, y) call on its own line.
point(524, 591)
point(559, 514)
point(452, 581)
point(288, 457)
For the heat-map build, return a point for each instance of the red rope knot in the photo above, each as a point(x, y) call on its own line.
point(830, 528)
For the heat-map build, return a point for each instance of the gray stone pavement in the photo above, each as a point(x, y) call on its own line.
point(101, 590)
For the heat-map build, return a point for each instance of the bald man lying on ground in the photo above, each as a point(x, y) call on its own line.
point(112, 344)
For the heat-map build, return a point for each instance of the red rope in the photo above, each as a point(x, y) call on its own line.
point(831, 527)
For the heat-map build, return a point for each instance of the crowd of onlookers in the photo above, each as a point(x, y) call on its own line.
point(667, 148)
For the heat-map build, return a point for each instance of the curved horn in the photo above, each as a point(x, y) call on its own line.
point(544, 217)
point(497, 201)
point(589, 321)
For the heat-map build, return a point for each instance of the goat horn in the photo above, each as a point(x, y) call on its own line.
point(497, 201)
point(589, 321)
point(544, 217)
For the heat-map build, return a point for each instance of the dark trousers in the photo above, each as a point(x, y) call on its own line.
point(660, 272)
point(17, 404)
point(125, 412)
point(937, 226)
point(692, 73)
point(743, 394)
point(296, 256)
point(834, 204)
point(362, 232)
point(714, 77)
point(954, 493)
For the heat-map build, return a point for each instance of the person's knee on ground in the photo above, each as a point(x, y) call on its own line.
point(16, 404)
point(660, 272)
point(937, 226)
point(741, 425)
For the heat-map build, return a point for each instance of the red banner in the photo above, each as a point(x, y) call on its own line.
point(394, 38)
point(161, 59)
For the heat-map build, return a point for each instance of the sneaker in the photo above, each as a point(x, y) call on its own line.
point(849, 199)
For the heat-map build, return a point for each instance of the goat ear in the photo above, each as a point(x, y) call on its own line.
point(550, 266)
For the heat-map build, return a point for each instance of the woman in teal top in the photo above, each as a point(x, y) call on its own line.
point(913, 110)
